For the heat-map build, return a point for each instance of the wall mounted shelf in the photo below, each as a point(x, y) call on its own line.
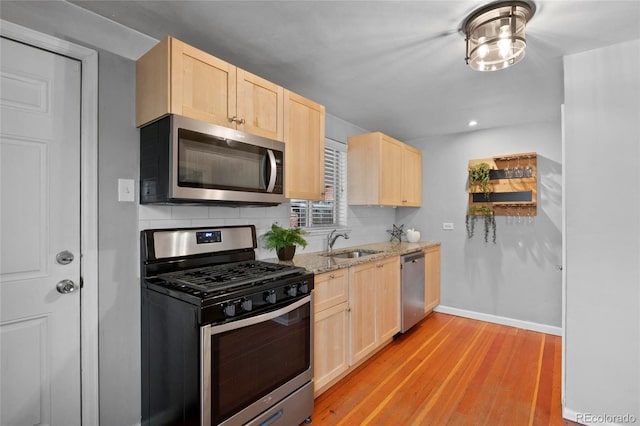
point(513, 183)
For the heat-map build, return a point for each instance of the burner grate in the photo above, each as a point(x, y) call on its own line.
point(230, 276)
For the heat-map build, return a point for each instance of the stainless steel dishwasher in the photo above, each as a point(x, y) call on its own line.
point(412, 269)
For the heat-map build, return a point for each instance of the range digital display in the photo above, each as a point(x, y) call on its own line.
point(208, 237)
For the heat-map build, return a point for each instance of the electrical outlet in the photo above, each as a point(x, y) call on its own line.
point(447, 226)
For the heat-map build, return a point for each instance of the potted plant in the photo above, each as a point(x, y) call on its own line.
point(284, 241)
point(489, 221)
point(479, 175)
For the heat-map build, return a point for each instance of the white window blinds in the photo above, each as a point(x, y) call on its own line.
point(332, 210)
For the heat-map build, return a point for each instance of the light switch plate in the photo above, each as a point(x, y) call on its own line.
point(447, 226)
point(126, 190)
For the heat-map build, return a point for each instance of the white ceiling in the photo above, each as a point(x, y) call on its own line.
point(393, 66)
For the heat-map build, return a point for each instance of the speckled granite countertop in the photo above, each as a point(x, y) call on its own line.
point(318, 262)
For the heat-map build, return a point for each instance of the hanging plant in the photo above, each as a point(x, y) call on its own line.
point(479, 175)
point(489, 221)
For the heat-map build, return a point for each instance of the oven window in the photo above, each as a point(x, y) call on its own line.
point(249, 362)
point(216, 163)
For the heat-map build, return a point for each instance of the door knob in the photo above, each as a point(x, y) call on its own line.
point(65, 257)
point(66, 287)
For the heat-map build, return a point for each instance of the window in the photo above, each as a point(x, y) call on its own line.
point(332, 210)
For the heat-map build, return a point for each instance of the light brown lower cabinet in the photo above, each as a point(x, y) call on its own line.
point(388, 299)
point(374, 302)
point(357, 311)
point(331, 328)
point(431, 278)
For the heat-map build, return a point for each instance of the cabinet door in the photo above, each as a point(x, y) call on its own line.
point(330, 289)
point(411, 176)
point(304, 150)
point(387, 299)
point(330, 345)
point(390, 185)
point(153, 79)
point(363, 174)
point(431, 278)
point(260, 105)
point(202, 86)
point(362, 310)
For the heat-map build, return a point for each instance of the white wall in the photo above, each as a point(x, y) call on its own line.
point(518, 278)
point(602, 122)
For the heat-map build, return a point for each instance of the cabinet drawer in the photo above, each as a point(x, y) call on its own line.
point(330, 289)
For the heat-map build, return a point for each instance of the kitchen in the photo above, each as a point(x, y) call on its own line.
point(491, 280)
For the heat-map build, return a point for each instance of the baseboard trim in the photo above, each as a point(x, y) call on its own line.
point(569, 414)
point(527, 325)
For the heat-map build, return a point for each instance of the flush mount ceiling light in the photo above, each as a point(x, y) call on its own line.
point(495, 34)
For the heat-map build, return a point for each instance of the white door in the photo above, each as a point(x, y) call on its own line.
point(40, 233)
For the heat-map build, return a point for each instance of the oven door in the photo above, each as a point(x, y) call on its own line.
point(250, 365)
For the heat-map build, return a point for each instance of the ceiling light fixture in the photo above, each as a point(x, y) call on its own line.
point(495, 34)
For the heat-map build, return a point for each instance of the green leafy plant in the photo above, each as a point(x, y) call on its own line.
point(489, 221)
point(278, 237)
point(479, 175)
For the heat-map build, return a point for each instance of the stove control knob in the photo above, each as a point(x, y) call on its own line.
point(304, 288)
point(270, 296)
point(229, 310)
point(292, 291)
point(246, 305)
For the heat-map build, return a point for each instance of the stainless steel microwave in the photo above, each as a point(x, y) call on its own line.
point(183, 160)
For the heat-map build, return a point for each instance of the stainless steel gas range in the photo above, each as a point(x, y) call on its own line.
point(226, 339)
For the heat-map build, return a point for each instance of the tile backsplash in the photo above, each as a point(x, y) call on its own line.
point(364, 224)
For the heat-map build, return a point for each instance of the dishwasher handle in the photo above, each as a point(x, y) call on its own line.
point(411, 257)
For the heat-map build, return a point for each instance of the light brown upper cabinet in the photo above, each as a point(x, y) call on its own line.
point(175, 78)
point(411, 176)
point(304, 147)
point(383, 171)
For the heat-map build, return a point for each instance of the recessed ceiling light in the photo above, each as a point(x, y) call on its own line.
point(472, 123)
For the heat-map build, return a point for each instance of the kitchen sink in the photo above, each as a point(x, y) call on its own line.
point(352, 254)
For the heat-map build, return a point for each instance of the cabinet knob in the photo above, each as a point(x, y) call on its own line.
point(332, 276)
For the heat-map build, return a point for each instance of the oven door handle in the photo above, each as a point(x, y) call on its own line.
point(273, 171)
point(212, 329)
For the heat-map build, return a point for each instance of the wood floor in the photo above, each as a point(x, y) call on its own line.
point(452, 371)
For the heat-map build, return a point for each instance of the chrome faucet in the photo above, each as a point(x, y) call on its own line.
point(331, 238)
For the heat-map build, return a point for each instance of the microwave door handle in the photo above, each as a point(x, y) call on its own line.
point(273, 170)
